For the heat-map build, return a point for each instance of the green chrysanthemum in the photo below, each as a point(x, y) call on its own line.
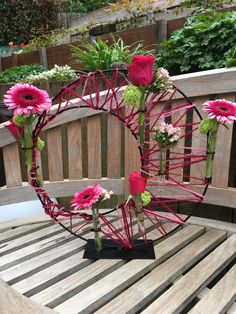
point(20, 120)
point(133, 96)
point(146, 198)
point(207, 125)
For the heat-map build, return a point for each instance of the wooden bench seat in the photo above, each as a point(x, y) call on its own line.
point(43, 271)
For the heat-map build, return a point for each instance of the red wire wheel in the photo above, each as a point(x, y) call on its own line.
point(174, 176)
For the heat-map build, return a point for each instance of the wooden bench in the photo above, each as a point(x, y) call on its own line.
point(42, 264)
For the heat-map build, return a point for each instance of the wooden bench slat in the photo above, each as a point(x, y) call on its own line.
point(22, 269)
point(132, 157)
point(198, 141)
point(220, 297)
point(184, 291)
point(113, 147)
point(12, 302)
point(73, 262)
point(59, 189)
point(75, 150)
point(15, 233)
point(143, 291)
point(221, 164)
point(11, 159)
point(32, 250)
point(29, 238)
point(123, 277)
point(75, 281)
point(53, 254)
point(94, 147)
point(232, 309)
point(55, 164)
point(79, 280)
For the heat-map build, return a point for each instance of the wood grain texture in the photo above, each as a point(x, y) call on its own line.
point(184, 291)
point(75, 150)
point(108, 287)
point(94, 147)
point(55, 164)
point(12, 302)
point(133, 299)
point(199, 141)
point(132, 157)
point(11, 159)
point(113, 147)
point(221, 162)
point(218, 299)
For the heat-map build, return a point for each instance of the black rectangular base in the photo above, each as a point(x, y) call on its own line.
point(145, 251)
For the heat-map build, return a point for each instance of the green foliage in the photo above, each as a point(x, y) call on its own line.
point(231, 57)
point(47, 39)
point(83, 6)
point(200, 45)
point(101, 55)
point(19, 17)
point(18, 73)
point(204, 5)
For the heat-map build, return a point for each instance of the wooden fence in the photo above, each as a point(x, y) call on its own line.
point(74, 157)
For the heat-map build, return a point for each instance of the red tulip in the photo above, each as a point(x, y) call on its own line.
point(141, 70)
point(15, 130)
point(22, 45)
point(137, 183)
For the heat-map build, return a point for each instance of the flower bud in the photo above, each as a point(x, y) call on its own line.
point(20, 120)
point(133, 96)
point(207, 125)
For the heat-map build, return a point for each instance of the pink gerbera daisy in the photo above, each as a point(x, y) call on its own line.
point(27, 99)
point(88, 197)
point(222, 110)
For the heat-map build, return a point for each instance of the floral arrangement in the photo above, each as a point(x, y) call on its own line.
point(58, 73)
point(220, 112)
point(147, 88)
point(92, 198)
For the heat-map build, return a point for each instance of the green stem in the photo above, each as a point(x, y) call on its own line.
point(142, 119)
point(98, 240)
point(28, 147)
point(161, 161)
point(210, 153)
point(139, 214)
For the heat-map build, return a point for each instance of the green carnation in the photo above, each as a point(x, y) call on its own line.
point(207, 125)
point(40, 144)
point(20, 120)
point(133, 96)
point(146, 198)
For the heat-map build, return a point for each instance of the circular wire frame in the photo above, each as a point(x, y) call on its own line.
point(179, 188)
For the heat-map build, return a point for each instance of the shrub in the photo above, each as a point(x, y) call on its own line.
point(101, 55)
point(18, 17)
point(201, 44)
point(58, 73)
point(83, 6)
point(18, 73)
point(204, 5)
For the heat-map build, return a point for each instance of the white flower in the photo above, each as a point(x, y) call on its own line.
point(106, 195)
